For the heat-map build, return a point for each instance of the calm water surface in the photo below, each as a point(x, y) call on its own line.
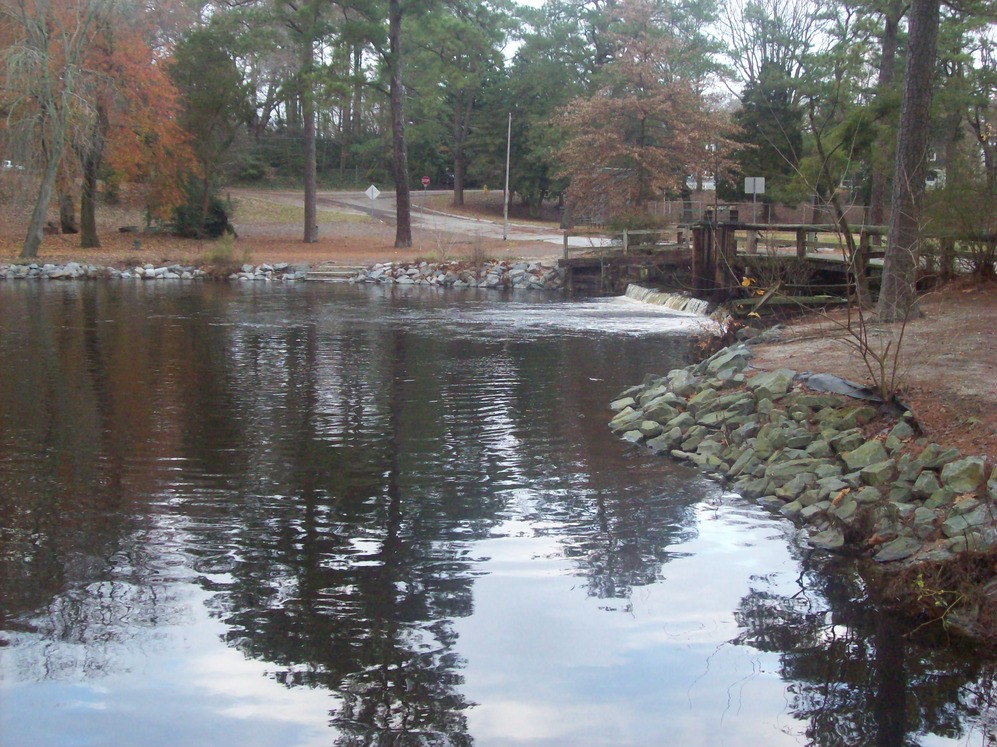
point(317, 515)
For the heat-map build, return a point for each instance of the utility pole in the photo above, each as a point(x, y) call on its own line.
point(505, 201)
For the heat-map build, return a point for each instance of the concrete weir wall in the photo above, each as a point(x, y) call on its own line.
point(677, 301)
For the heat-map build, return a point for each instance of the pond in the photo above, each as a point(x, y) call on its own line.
point(244, 514)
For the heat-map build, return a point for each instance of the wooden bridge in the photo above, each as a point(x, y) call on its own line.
point(713, 260)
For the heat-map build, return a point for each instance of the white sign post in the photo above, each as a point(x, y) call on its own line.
point(372, 192)
point(754, 186)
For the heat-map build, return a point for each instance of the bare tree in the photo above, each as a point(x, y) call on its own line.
point(46, 83)
point(784, 34)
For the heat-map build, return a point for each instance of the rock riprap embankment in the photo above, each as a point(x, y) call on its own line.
point(277, 272)
point(808, 455)
point(458, 275)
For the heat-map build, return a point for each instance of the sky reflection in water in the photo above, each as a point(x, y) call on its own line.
point(245, 515)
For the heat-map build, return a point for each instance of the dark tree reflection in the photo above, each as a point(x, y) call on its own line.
point(324, 465)
point(854, 676)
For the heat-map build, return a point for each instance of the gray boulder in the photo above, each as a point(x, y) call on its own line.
point(868, 453)
point(771, 383)
point(963, 476)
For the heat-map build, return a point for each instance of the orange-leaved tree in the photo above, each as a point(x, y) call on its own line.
point(81, 81)
point(645, 128)
point(135, 136)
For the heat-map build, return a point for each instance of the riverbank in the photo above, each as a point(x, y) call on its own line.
point(856, 474)
point(488, 274)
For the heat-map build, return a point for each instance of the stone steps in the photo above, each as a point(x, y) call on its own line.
point(333, 273)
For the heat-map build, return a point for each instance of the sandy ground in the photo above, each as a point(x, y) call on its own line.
point(947, 369)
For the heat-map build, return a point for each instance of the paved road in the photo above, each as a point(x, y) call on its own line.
point(383, 208)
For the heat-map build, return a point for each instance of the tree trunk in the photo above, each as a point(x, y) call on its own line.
point(67, 212)
point(399, 150)
point(879, 183)
point(856, 258)
point(92, 158)
point(459, 169)
point(898, 294)
point(88, 209)
point(53, 153)
point(67, 208)
point(308, 114)
point(463, 107)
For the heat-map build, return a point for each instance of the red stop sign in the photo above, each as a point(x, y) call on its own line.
point(425, 181)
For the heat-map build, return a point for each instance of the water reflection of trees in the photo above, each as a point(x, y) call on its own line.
point(325, 475)
point(73, 405)
point(392, 450)
point(853, 676)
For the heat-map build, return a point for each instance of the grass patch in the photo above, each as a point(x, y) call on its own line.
point(257, 210)
point(222, 257)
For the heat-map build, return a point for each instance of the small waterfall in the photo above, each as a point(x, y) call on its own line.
point(676, 301)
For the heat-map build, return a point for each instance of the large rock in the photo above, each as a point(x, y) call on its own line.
point(626, 419)
point(622, 404)
point(705, 400)
point(730, 359)
point(783, 472)
point(878, 474)
point(963, 476)
point(746, 462)
point(845, 441)
point(660, 411)
point(796, 486)
point(851, 417)
point(771, 383)
point(844, 511)
point(683, 382)
point(666, 441)
point(829, 539)
point(935, 457)
point(683, 420)
point(868, 453)
point(924, 522)
point(957, 524)
point(898, 549)
point(926, 484)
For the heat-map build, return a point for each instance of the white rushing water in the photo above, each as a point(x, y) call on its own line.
point(673, 301)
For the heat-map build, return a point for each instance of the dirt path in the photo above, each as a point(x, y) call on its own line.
point(947, 367)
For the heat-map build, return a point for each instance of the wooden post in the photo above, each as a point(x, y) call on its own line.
point(801, 243)
point(947, 260)
point(701, 241)
point(723, 263)
point(865, 247)
point(626, 241)
point(565, 232)
point(752, 247)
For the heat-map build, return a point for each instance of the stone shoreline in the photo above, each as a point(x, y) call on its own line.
point(885, 494)
point(521, 275)
point(277, 272)
point(533, 275)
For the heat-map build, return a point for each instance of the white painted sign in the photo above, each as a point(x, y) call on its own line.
point(372, 192)
point(754, 185)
